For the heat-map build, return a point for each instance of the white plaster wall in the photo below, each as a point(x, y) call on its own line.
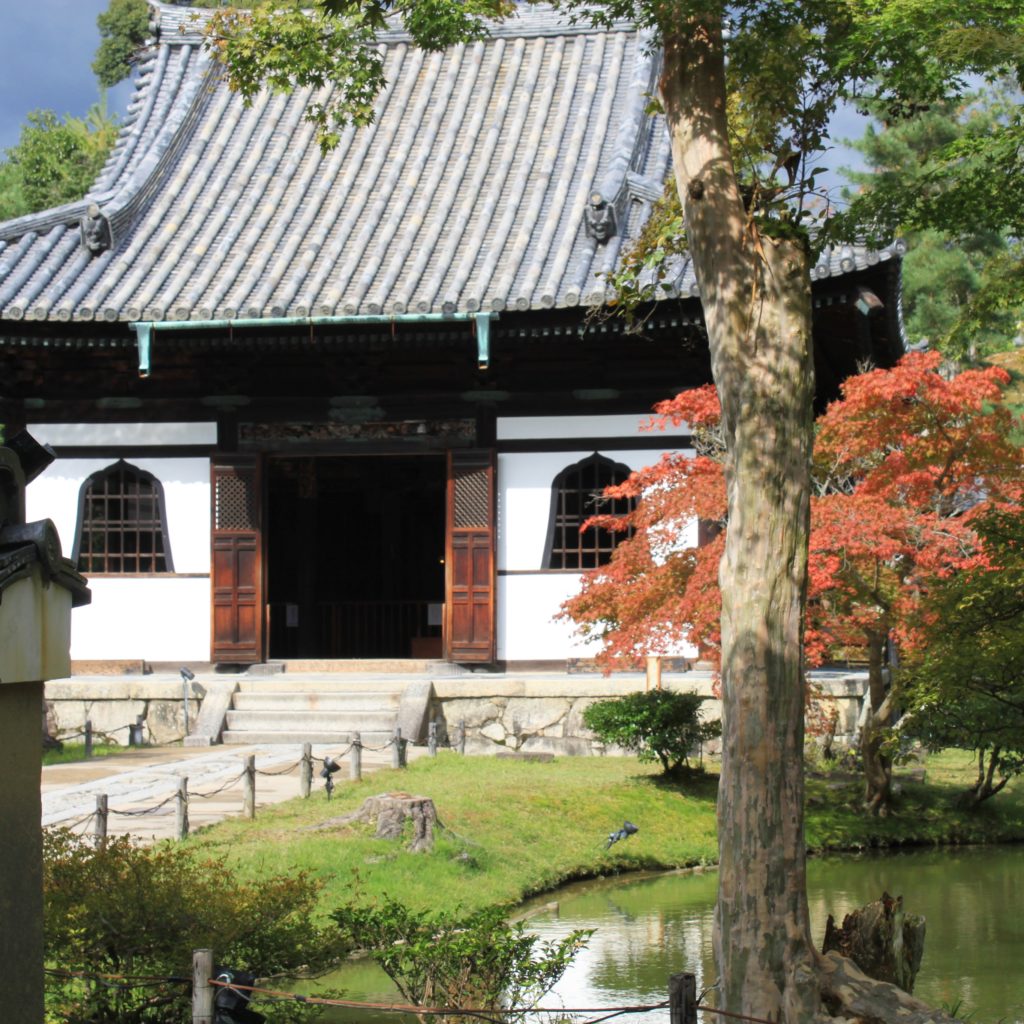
point(58, 434)
point(529, 597)
point(157, 618)
point(144, 618)
point(527, 630)
point(532, 428)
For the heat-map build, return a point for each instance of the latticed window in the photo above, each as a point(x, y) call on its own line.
point(578, 494)
point(121, 523)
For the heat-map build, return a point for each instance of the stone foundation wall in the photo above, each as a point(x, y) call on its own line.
point(501, 713)
point(113, 704)
point(546, 715)
point(537, 716)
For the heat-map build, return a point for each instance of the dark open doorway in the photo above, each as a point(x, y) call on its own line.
point(355, 553)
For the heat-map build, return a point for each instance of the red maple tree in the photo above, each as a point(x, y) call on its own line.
point(903, 463)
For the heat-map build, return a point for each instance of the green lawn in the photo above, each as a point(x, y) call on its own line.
point(518, 828)
point(76, 752)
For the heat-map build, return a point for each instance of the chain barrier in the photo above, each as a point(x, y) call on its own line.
point(377, 750)
point(283, 771)
point(121, 982)
point(220, 789)
point(75, 823)
point(592, 1014)
point(144, 810)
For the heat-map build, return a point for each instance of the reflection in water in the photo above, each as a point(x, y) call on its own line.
point(650, 927)
point(973, 902)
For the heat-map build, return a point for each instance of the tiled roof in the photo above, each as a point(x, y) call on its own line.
point(466, 194)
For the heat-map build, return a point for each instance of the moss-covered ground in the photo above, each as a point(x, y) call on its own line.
point(515, 828)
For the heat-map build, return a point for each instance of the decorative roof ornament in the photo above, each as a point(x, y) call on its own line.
point(97, 236)
point(599, 218)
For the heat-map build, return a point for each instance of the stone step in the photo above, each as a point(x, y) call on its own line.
point(317, 701)
point(338, 740)
point(319, 721)
point(322, 684)
point(365, 666)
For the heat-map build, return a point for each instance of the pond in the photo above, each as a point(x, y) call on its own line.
point(648, 927)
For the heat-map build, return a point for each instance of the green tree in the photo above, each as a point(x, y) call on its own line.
point(745, 136)
point(657, 725)
point(56, 160)
point(944, 269)
point(124, 28)
point(129, 910)
point(473, 961)
point(967, 687)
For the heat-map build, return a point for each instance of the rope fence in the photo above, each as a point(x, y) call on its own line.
point(247, 776)
point(682, 1003)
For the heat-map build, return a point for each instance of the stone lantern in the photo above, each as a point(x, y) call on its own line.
point(38, 589)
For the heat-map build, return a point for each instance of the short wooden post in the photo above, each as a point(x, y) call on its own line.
point(181, 808)
point(249, 788)
point(99, 831)
point(682, 999)
point(432, 739)
point(203, 993)
point(135, 732)
point(462, 736)
point(355, 764)
point(397, 750)
point(88, 737)
point(306, 770)
point(653, 672)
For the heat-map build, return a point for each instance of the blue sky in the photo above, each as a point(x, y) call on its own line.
point(46, 49)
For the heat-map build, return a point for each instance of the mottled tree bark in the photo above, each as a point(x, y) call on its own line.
point(757, 306)
point(877, 763)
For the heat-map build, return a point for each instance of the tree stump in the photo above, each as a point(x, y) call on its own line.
point(882, 940)
point(391, 811)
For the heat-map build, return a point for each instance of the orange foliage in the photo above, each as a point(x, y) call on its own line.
point(903, 463)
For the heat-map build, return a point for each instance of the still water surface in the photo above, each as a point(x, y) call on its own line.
point(652, 926)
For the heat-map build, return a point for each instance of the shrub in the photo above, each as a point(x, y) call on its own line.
point(477, 961)
point(658, 725)
point(133, 911)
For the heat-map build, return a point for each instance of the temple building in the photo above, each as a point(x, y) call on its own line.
point(357, 405)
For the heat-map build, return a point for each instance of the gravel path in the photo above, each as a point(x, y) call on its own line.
point(146, 780)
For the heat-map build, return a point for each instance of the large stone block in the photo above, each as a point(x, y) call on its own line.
point(526, 717)
point(108, 717)
point(163, 719)
point(476, 712)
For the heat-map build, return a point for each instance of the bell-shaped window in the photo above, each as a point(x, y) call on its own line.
point(121, 523)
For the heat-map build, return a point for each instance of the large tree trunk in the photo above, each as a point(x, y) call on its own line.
point(877, 763)
point(756, 296)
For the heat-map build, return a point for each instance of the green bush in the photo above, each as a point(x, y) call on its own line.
point(476, 961)
point(129, 911)
point(658, 725)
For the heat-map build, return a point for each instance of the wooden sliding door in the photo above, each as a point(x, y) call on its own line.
point(469, 562)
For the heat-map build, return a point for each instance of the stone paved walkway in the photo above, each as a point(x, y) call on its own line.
point(147, 780)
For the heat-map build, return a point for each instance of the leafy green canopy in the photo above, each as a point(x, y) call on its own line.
point(56, 160)
point(657, 725)
point(334, 42)
point(966, 689)
point(476, 961)
point(124, 27)
point(947, 266)
point(127, 910)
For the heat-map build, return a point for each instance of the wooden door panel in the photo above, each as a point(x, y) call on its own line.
point(469, 621)
point(236, 563)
